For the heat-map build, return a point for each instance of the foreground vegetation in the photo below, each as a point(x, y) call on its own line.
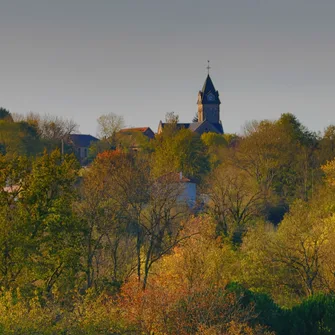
point(113, 249)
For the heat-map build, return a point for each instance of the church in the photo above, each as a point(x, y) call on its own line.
point(208, 111)
point(208, 120)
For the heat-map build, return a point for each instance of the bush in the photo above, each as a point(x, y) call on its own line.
point(314, 316)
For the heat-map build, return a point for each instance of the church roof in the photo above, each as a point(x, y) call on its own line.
point(218, 126)
point(194, 126)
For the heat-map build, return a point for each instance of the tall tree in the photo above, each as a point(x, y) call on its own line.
point(108, 126)
point(235, 201)
point(36, 208)
point(108, 244)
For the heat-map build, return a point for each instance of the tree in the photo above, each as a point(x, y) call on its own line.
point(213, 139)
point(54, 128)
point(39, 245)
point(109, 125)
point(19, 138)
point(313, 316)
point(262, 153)
point(184, 151)
point(171, 125)
point(48, 194)
point(302, 174)
point(235, 201)
point(280, 157)
point(5, 115)
point(173, 309)
point(300, 244)
point(215, 144)
point(297, 259)
point(201, 259)
point(152, 208)
point(14, 245)
point(292, 126)
point(171, 117)
point(161, 221)
point(97, 148)
point(108, 245)
point(327, 145)
point(48, 131)
point(127, 202)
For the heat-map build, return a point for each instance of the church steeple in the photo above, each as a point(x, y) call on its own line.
point(209, 102)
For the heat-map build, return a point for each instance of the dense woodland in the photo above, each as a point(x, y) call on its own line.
point(111, 249)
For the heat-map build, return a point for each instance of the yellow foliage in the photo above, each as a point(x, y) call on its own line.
point(329, 170)
point(201, 260)
point(20, 317)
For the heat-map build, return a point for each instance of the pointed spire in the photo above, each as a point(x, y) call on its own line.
point(208, 67)
point(208, 86)
point(208, 91)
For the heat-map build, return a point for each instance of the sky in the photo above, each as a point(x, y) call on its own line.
point(141, 59)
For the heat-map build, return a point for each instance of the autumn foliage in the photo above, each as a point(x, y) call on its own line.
point(114, 247)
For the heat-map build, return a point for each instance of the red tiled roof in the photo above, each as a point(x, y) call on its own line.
point(141, 129)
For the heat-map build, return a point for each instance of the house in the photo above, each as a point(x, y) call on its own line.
point(186, 188)
point(81, 144)
point(134, 138)
point(208, 119)
point(146, 131)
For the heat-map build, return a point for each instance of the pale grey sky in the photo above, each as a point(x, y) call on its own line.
point(143, 58)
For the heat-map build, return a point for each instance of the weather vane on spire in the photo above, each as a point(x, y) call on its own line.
point(208, 67)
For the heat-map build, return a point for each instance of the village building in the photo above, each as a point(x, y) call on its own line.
point(146, 131)
point(81, 144)
point(208, 117)
point(186, 188)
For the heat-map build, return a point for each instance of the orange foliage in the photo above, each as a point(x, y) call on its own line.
point(181, 299)
point(180, 311)
point(109, 155)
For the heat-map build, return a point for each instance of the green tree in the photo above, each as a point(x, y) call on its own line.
point(14, 244)
point(5, 115)
point(184, 151)
point(214, 143)
point(282, 158)
point(41, 232)
point(327, 145)
point(314, 315)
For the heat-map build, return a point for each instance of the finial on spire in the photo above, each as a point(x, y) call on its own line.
point(208, 67)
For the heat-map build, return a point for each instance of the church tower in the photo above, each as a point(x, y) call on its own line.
point(208, 111)
point(209, 103)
